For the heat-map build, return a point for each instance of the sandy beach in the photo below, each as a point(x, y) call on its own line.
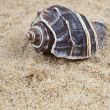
point(31, 81)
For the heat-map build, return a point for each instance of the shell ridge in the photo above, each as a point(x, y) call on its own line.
point(55, 36)
point(68, 26)
point(93, 34)
point(95, 43)
point(67, 23)
point(41, 33)
point(69, 57)
point(73, 57)
point(87, 34)
point(32, 24)
point(72, 14)
point(47, 38)
point(41, 40)
point(49, 26)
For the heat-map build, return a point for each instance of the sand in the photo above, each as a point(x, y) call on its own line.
point(31, 81)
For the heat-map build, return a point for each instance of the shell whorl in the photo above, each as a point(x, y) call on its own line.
point(39, 36)
point(66, 33)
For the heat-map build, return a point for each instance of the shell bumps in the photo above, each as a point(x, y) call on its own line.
point(65, 33)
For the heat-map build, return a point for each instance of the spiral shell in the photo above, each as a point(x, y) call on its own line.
point(65, 33)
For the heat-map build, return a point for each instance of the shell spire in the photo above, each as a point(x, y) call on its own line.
point(38, 35)
point(66, 33)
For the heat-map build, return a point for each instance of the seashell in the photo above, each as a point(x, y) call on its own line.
point(65, 33)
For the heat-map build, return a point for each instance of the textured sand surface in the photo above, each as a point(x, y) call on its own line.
point(30, 81)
